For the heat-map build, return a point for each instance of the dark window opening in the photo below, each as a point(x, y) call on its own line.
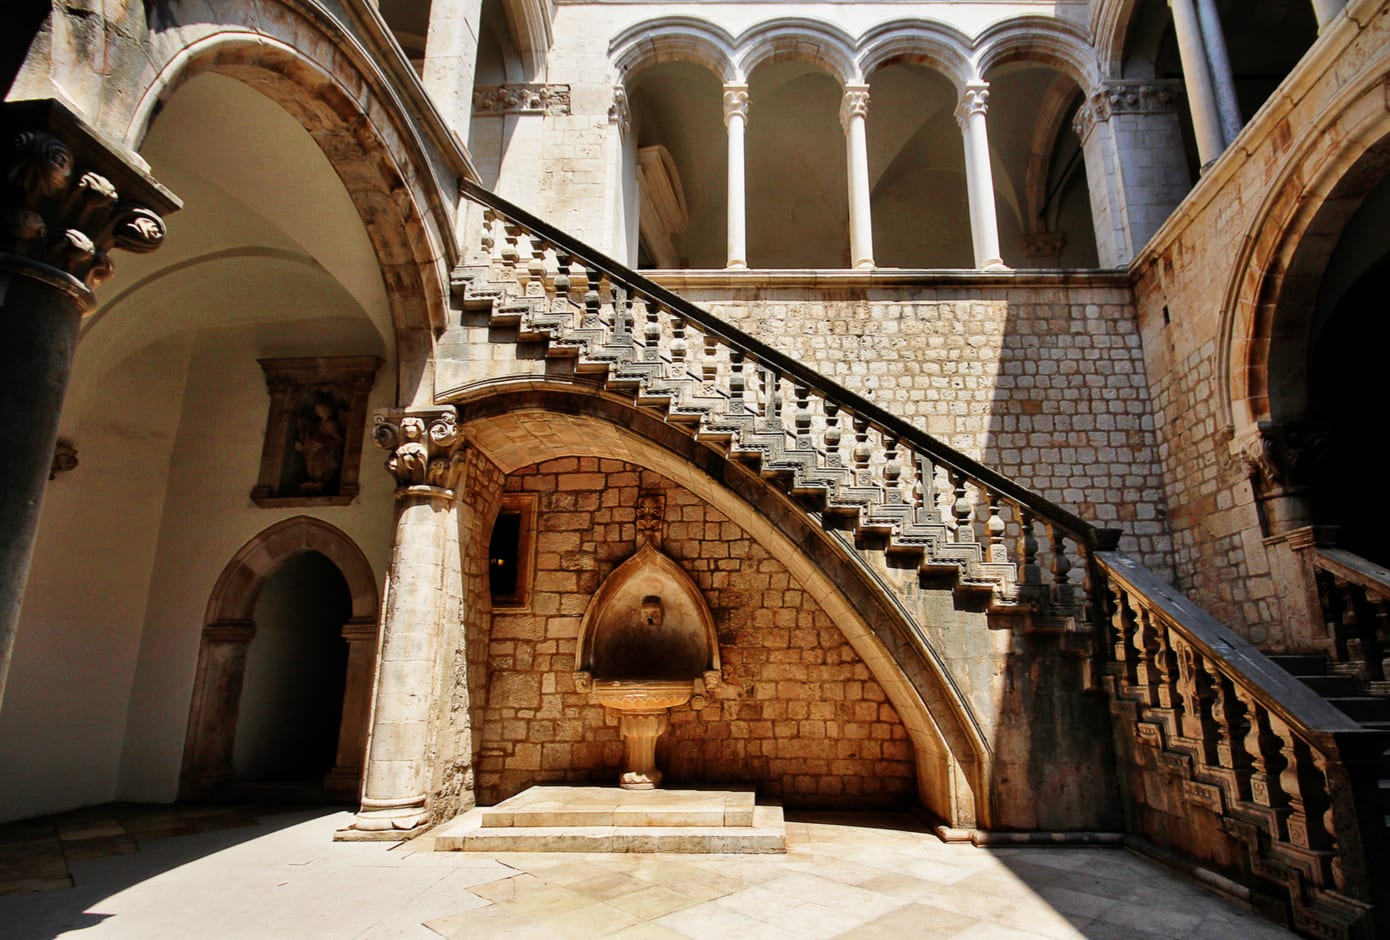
point(504, 560)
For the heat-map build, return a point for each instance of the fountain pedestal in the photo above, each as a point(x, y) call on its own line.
point(642, 707)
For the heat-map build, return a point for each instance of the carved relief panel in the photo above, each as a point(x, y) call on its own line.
point(313, 436)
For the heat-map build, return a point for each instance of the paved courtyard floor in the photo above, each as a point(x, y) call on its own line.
point(218, 873)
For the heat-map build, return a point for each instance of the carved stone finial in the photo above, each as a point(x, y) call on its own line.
point(735, 102)
point(854, 104)
point(426, 447)
point(58, 217)
point(651, 514)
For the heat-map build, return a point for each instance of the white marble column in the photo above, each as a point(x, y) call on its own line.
point(736, 120)
point(1223, 81)
point(1326, 10)
point(979, 176)
point(1201, 95)
point(427, 461)
point(451, 59)
point(854, 110)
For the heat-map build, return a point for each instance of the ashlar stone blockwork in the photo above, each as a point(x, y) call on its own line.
point(797, 713)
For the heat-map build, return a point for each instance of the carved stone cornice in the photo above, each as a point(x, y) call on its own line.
point(735, 102)
point(521, 98)
point(854, 104)
point(1148, 96)
point(426, 447)
point(69, 199)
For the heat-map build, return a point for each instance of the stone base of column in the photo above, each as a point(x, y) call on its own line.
point(995, 264)
point(386, 821)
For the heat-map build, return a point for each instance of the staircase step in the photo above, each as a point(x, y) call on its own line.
point(1362, 707)
point(1332, 686)
point(595, 807)
point(1302, 665)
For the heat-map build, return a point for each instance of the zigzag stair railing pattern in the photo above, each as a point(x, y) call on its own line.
point(840, 455)
point(1291, 777)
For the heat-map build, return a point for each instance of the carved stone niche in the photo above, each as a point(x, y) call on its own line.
point(313, 434)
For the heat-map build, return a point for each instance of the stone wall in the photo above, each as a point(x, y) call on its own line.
point(1040, 378)
point(797, 714)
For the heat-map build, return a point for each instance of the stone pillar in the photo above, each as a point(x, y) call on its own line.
point(1326, 11)
point(69, 199)
point(1223, 81)
point(1136, 171)
point(427, 462)
point(344, 781)
point(1206, 117)
point(979, 176)
point(451, 58)
point(736, 120)
point(854, 110)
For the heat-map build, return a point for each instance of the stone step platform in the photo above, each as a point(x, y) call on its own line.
point(608, 819)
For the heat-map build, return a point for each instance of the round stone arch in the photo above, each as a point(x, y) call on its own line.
point(1271, 298)
point(1111, 30)
point(1040, 40)
point(673, 39)
point(798, 39)
point(229, 628)
point(322, 78)
point(935, 45)
point(517, 423)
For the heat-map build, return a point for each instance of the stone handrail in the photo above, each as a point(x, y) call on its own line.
point(1254, 764)
point(833, 450)
point(1354, 595)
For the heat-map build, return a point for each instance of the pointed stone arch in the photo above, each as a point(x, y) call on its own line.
point(229, 628)
point(518, 424)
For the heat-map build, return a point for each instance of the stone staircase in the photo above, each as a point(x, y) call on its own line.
point(1227, 763)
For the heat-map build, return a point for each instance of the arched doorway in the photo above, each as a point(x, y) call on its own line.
point(285, 666)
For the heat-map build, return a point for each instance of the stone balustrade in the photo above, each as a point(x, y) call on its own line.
point(1235, 763)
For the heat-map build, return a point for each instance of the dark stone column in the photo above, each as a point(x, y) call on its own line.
point(69, 199)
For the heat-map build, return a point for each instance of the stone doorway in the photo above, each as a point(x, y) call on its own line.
point(282, 692)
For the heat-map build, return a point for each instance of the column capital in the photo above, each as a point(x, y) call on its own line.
point(735, 102)
point(426, 447)
point(70, 198)
point(619, 112)
point(854, 104)
point(973, 100)
point(1125, 96)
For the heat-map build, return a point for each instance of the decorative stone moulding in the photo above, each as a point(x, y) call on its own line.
point(647, 644)
point(313, 433)
point(521, 98)
point(1151, 96)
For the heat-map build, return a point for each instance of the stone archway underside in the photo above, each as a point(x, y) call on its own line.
point(517, 427)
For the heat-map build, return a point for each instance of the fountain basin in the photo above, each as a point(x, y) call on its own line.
point(642, 695)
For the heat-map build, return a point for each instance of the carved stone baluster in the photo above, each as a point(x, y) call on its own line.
point(892, 470)
point(592, 299)
point(651, 332)
point(1147, 674)
point(862, 452)
point(737, 382)
point(1370, 655)
point(485, 237)
point(1062, 590)
point(510, 255)
point(1166, 663)
point(833, 457)
point(536, 266)
point(1295, 821)
point(1263, 747)
point(801, 419)
point(772, 399)
point(1030, 573)
point(961, 508)
point(562, 280)
point(1315, 790)
point(924, 490)
point(709, 365)
point(678, 346)
point(994, 530)
point(1196, 723)
point(1229, 716)
point(1124, 623)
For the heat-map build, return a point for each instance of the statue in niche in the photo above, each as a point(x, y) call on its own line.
point(318, 437)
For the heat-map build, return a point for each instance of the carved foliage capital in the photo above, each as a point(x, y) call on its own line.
point(735, 103)
point(854, 104)
point(60, 216)
point(1280, 458)
point(974, 101)
point(426, 447)
point(1125, 97)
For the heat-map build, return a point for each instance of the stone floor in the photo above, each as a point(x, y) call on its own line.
point(182, 872)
